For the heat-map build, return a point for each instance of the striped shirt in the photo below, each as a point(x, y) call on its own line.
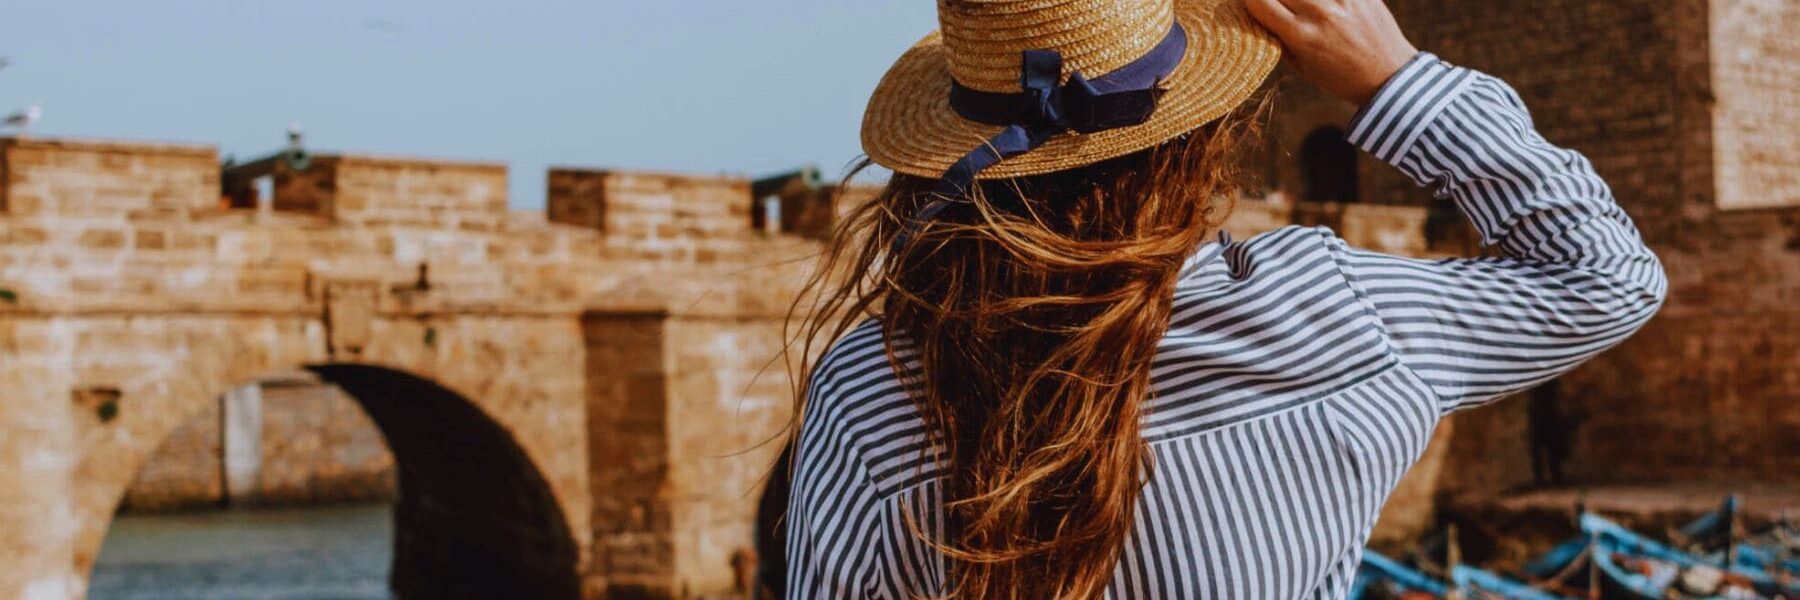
point(1299, 377)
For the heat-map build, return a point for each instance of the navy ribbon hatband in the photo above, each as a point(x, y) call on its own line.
point(1044, 109)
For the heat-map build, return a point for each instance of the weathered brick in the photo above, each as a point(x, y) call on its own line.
point(102, 239)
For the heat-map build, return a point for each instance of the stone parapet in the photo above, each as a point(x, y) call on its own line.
point(657, 216)
point(77, 179)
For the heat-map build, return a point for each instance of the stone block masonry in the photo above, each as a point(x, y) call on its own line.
point(656, 215)
point(1685, 108)
point(319, 447)
point(137, 297)
point(387, 191)
point(1756, 83)
point(93, 179)
point(678, 468)
point(283, 441)
point(187, 470)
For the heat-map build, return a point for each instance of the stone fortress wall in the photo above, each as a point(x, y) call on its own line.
point(1686, 108)
point(135, 297)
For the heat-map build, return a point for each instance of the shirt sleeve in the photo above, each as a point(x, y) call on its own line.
point(1575, 278)
point(833, 517)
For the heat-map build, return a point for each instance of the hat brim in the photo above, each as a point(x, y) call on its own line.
point(909, 126)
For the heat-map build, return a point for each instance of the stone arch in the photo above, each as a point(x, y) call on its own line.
point(1328, 167)
point(475, 518)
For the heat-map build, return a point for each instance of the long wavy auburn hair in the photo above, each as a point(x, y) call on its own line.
point(1033, 308)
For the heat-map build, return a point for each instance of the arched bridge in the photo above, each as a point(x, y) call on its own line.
point(575, 399)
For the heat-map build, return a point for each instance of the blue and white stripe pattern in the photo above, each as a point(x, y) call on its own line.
point(1299, 377)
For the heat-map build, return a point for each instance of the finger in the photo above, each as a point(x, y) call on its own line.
point(1274, 15)
point(1318, 9)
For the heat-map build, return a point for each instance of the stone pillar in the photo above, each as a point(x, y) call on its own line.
point(684, 414)
point(729, 400)
point(241, 414)
point(37, 522)
point(628, 396)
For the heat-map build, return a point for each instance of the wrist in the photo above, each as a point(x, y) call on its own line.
point(1389, 64)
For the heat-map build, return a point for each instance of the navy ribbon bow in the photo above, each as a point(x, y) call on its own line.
point(1045, 108)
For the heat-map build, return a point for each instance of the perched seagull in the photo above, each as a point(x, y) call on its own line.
point(23, 120)
point(294, 133)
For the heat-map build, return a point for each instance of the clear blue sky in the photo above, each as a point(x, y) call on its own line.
point(708, 86)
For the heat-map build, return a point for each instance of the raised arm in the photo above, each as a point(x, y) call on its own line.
point(1575, 280)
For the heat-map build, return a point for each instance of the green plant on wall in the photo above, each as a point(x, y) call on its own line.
point(107, 410)
point(104, 401)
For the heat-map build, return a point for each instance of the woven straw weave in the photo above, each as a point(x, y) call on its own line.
point(909, 126)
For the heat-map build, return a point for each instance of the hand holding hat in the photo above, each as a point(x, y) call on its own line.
point(1348, 48)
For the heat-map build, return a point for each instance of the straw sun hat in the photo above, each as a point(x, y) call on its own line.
point(1177, 64)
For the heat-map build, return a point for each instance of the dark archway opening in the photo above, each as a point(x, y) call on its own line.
point(1328, 167)
point(252, 500)
point(475, 518)
point(771, 528)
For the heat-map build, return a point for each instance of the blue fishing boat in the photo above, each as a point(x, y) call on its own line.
point(1481, 583)
point(1381, 577)
point(1628, 565)
point(1643, 568)
point(1716, 536)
